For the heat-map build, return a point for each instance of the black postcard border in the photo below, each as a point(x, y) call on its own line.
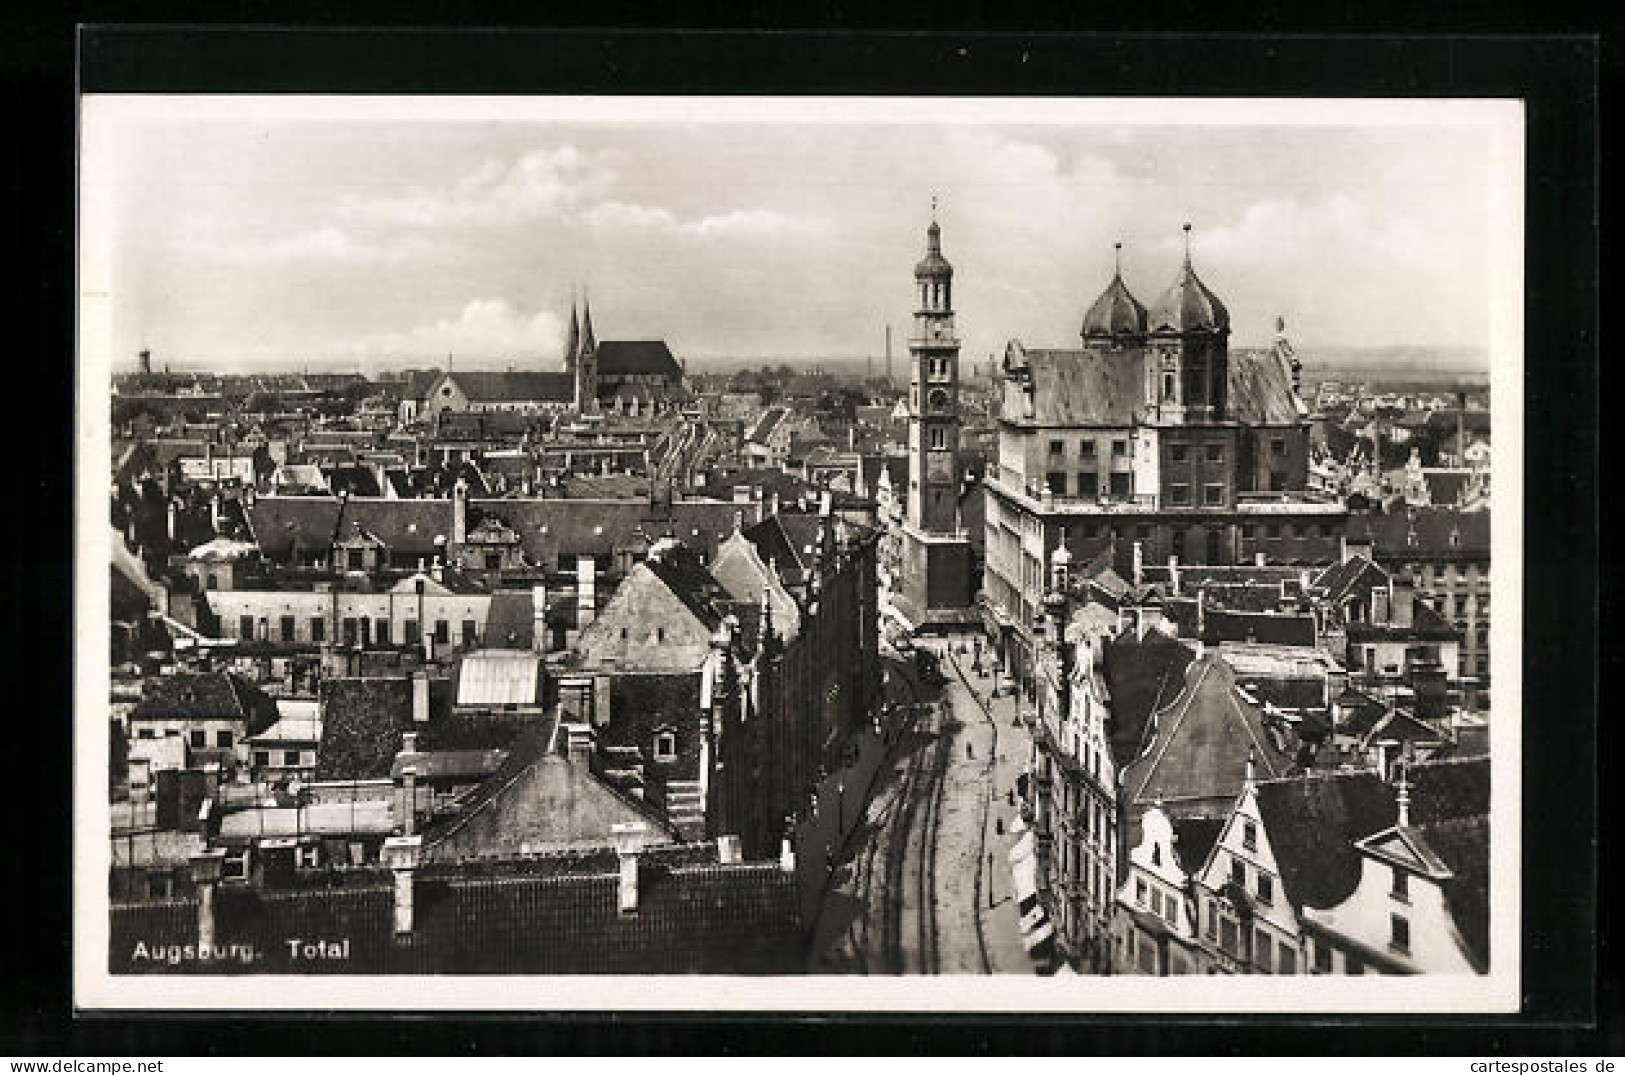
point(1557, 77)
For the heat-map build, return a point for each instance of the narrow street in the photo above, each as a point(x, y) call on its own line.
point(922, 886)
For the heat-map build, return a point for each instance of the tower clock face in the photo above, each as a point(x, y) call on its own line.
point(939, 400)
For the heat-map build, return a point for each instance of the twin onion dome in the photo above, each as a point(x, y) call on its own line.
point(1187, 306)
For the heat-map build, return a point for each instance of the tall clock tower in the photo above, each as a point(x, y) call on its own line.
point(936, 576)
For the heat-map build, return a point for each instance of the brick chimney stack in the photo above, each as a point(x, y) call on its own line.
point(459, 512)
point(586, 591)
point(420, 701)
point(538, 630)
point(401, 855)
point(409, 798)
point(629, 837)
point(206, 867)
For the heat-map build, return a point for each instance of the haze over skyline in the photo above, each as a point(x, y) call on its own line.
point(237, 236)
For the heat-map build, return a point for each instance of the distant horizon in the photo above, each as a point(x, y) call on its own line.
point(1395, 357)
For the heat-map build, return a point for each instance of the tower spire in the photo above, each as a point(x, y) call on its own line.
point(588, 341)
point(1187, 244)
point(1117, 259)
point(572, 342)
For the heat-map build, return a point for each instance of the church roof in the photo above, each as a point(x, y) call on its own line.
point(637, 357)
point(502, 387)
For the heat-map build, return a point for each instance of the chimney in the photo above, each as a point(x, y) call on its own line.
point(741, 494)
point(629, 837)
point(401, 855)
point(206, 869)
point(728, 853)
point(216, 517)
point(787, 854)
point(409, 740)
point(1258, 558)
point(459, 512)
point(586, 591)
point(1139, 564)
point(1251, 772)
point(170, 519)
point(409, 800)
point(1403, 798)
point(538, 628)
point(1173, 575)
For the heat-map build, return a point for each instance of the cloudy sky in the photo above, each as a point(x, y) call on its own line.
point(260, 234)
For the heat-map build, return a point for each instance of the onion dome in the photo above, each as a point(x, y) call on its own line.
point(1117, 312)
point(933, 266)
point(1188, 306)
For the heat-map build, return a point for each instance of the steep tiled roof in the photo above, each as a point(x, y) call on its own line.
point(680, 569)
point(628, 357)
point(1076, 387)
point(691, 919)
point(1261, 393)
point(355, 480)
point(1339, 579)
point(206, 696)
point(1446, 486)
point(510, 620)
point(362, 721)
point(1141, 674)
point(1433, 527)
point(766, 424)
point(1200, 743)
point(789, 540)
point(502, 387)
point(1223, 625)
point(549, 528)
point(1311, 823)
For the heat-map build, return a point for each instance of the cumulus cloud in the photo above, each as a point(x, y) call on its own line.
point(539, 183)
point(489, 333)
point(327, 243)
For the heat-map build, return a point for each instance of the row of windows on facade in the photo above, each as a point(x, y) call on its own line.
point(1177, 453)
point(356, 630)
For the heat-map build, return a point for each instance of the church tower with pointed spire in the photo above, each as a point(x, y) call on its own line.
point(937, 563)
point(572, 341)
point(586, 361)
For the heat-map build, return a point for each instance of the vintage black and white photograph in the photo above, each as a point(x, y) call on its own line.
point(794, 553)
